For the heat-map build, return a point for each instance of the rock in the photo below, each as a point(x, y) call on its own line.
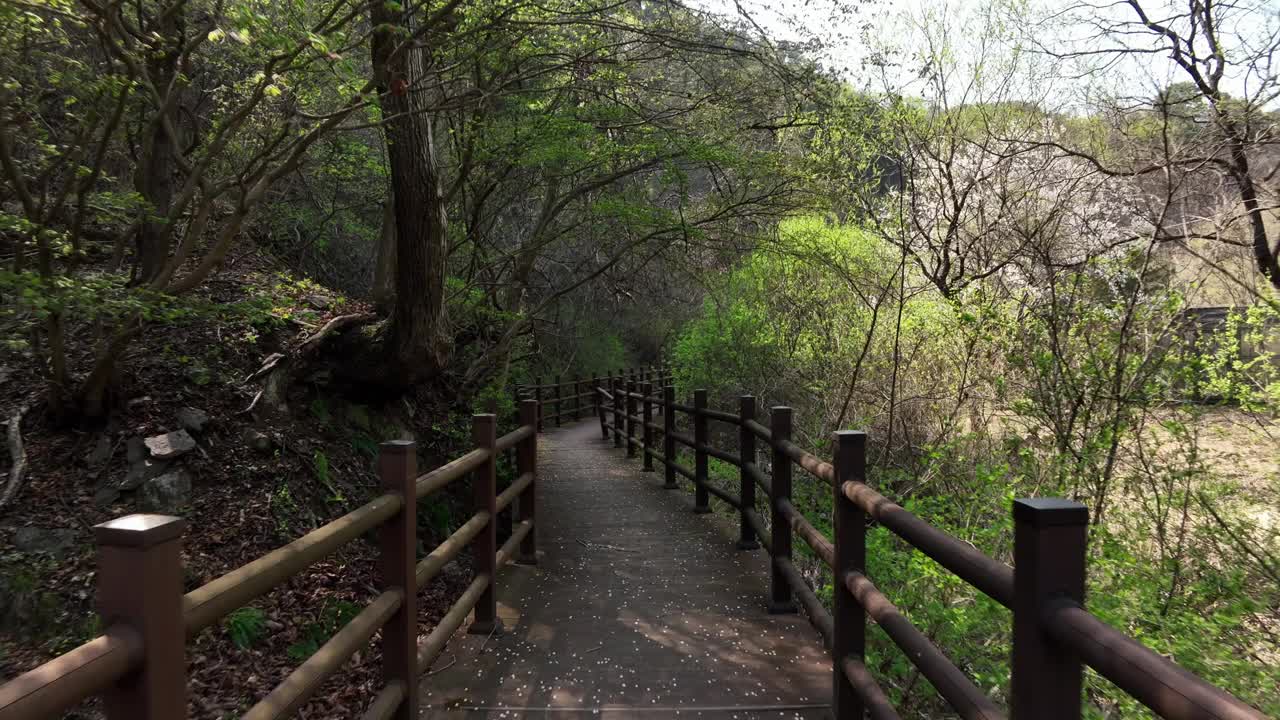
point(166, 493)
point(318, 302)
point(50, 541)
point(193, 419)
point(142, 471)
point(170, 445)
point(106, 495)
point(257, 440)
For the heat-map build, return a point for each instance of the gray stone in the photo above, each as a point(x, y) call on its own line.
point(142, 471)
point(193, 419)
point(257, 440)
point(106, 495)
point(166, 493)
point(50, 541)
point(170, 445)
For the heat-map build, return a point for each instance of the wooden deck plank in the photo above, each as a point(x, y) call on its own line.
point(639, 608)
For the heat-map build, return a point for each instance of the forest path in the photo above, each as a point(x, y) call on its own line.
point(638, 608)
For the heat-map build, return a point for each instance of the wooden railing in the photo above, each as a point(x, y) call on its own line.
point(566, 397)
point(138, 666)
point(1054, 637)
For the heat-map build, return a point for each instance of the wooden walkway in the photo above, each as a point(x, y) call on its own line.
point(638, 608)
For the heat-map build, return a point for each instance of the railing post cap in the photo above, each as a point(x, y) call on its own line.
point(397, 446)
point(139, 530)
point(850, 435)
point(1048, 512)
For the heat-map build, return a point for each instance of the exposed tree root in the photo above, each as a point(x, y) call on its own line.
point(19, 455)
point(278, 369)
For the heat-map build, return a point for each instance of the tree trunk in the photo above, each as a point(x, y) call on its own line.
point(154, 175)
point(384, 271)
point(417, 343)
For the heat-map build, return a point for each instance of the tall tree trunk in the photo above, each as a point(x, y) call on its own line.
point(154, 175)
point(417, 341)
point(384, 271)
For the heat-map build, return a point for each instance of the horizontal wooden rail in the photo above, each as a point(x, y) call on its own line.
point(954, 686)
point(506, 497)
point(760, 478)
point(72, 677)
point(991, 577)
point(518, 534)
point(431, 648)
point(818, 615)
point(818, 542)
point(386, 702)
point(1044, 677)
point(212, 601)
point(447, 473)
point(513, 438)
point(138, 663)
point(1171, 691)
point(878, 706)
point(429, 566)
point(306, 679)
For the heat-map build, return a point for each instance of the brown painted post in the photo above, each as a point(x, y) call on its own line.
point(780, 599)
point(631, 423)
point(397, 556)
point(668, 435)
point(484, 434)
point(747, 453)
point(537, 395)
point(559, 409)
point(702, 498)
point(599, 400)
point(1050, 538)
point(527, 506)
point(140, 586)
point(849, 636)
point(647, 432)
point(618, 429)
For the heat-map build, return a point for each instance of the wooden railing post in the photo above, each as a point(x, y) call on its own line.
point(618, 429)
point(485, 547)
point(646, 431)
point(747, 453)
point(140, 586)
point(527, 505)
point(537, 395)
point(577, 397)
point(559, 408)
point(780, 600)
point(702, 498)
point(849, 618)
point(397, 556)
point(1050, 539)
point(600, 408)
point(668, 436)
point(631, 414)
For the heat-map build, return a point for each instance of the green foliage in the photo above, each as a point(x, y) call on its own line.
point(245, 626)
point(333, 616)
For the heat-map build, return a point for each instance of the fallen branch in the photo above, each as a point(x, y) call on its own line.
point(19, 455)
point(310, 344)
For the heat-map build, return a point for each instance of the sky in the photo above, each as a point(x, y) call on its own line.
point(856, 36)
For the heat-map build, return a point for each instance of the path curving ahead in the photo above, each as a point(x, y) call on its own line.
point(638, 608)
